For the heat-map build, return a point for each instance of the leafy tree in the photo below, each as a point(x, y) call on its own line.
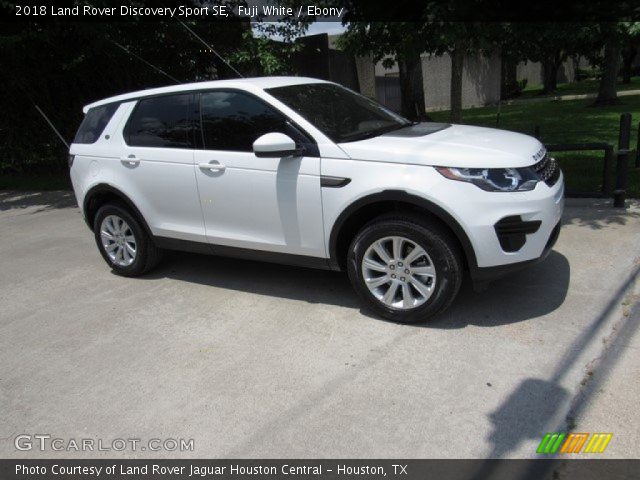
point(611, 36)
point(548, 43)
point(402, 42)
point(261, 54)
point(460, 39)
point(61, 66)
point(630, 48)
point(613, 42)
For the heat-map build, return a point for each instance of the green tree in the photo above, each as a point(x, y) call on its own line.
point(630, 48)
point(460, 39)
point(400, 42)
point(62, 65)
point(268, 47)
point(612, 43)
point(548, 43)
point(405, 42)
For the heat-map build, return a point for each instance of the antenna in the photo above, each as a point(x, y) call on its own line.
point(49, 122)
point(157, 69)
point(210, 48)
point(51, 125)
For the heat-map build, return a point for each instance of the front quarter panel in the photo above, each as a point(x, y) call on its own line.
point(371, 178)
point(474, 210)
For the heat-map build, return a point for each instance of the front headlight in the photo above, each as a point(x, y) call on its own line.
point(494, 179)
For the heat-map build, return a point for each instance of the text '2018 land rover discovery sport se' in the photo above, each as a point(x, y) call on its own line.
point(306, 172)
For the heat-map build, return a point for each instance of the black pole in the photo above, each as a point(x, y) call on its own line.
point(623, 156)
point(638, 148)
point(606, 171)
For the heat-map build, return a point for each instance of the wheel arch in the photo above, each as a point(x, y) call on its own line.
point(103, 193)
point(361, 211)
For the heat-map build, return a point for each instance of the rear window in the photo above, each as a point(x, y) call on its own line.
point(162, 122)
point(94, 122)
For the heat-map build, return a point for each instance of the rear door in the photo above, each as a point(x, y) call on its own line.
point(270, 204)
point(157, 163)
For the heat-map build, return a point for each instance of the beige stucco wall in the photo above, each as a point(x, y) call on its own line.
point(532, 71)
point(480, 81)
point(366, 76)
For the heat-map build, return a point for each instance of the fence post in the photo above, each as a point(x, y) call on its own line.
point(607, 186)
point(621, 166)
point(638, 148)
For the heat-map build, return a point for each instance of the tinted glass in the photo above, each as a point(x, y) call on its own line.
point(234, 120)
point(162, 122)
point(342, 115)
point(94, 122)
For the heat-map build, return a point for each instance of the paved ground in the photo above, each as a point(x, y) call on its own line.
point(258, 360)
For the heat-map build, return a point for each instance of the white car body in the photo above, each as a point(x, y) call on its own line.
point(236, 202)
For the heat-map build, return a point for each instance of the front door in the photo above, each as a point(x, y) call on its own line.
point(270, 204)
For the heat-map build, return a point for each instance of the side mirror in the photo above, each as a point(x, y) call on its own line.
point(276, 145)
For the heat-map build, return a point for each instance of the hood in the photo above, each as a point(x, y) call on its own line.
point(448, 146)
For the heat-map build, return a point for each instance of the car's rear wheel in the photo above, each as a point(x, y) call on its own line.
point(123, 242)
point(405, 268)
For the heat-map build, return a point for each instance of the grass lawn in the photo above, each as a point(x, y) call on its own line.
point(574, 121)
point(577, 88)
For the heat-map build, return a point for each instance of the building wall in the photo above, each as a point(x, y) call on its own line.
point(365, 69)
point(480, 81)
point(318, 59)
point(532, 71)
point(382, 71)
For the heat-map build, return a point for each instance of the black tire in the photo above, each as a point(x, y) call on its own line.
point(147, 254)
point(441, 247)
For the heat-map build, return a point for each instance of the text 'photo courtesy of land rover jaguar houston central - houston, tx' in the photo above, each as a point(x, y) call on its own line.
point(305, 172)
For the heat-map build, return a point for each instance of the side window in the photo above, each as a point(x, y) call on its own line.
point(232, 121)
point(162, 122)
point(94, 122)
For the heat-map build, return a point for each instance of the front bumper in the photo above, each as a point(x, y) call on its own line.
point(507, 230)
point(486, 274)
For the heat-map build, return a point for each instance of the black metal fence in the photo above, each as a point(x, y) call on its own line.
point(608, 188)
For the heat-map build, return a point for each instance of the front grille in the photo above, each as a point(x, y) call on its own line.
point(548, 170)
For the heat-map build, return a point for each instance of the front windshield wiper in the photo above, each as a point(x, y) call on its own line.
point(375, 133)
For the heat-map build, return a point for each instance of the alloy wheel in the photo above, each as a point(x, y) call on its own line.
point(398, 272)
point(118, 240)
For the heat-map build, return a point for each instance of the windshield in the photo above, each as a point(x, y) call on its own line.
point(339, 113)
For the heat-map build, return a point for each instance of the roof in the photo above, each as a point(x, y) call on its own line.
point(243, 83)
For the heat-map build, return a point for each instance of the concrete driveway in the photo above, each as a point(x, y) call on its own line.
point(260, 360)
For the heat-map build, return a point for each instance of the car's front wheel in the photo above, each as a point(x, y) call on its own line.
point(123, 242)
point(405, 268)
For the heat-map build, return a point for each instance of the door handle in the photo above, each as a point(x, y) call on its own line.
point(130, 160)
point(214, 166)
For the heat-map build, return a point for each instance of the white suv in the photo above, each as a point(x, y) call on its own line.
point(306, 172)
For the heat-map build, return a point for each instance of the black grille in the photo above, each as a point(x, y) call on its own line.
point(548, 170)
